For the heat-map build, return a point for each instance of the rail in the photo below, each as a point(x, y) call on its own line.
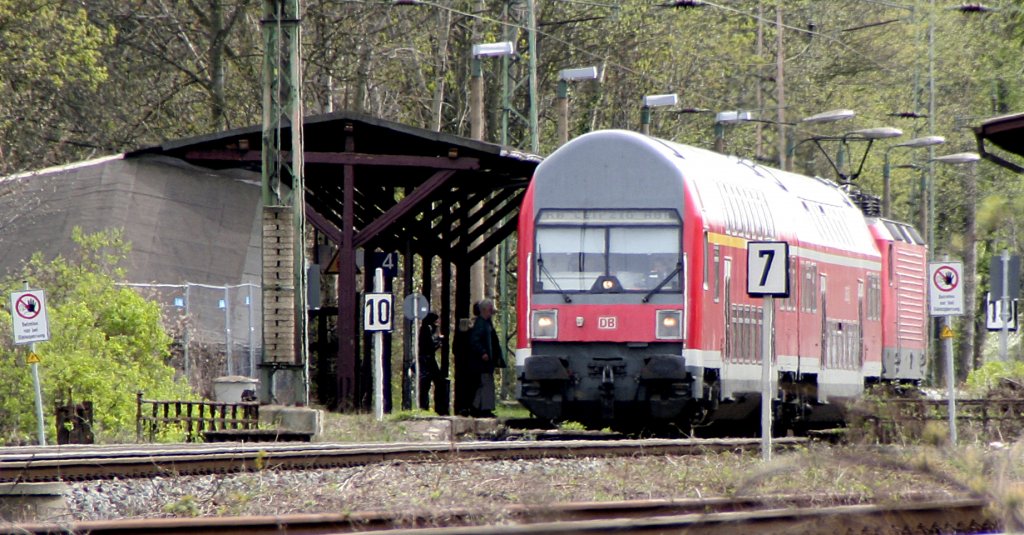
point(192, 417)
point(780, 514)
point(91, 463)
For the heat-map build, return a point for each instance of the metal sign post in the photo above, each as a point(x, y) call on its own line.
point(28, 313)
point(1004, 276)
point(945, 299)
point(1004, 334)
point(377, 319)
point(767, 277)
point(415, 307)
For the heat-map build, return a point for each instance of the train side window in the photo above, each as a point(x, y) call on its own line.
point(707, 260)
point(804, 275)
point(718, 273)
point(809, 290)
point(891, 264)
point(789, 303)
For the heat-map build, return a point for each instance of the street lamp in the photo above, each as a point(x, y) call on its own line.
point(476, 82)
point(970, 269)
point(477, 272)
point(654, 101)
point(927, 141)
point(830, 116)
point(564, 77)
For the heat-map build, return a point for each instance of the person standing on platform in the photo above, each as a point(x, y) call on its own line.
point(429, 341)
point(485, 356)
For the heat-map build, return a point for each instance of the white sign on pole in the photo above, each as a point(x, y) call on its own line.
point(377, 312)
point(28, 310)
point(994, 316)
point(768, 268)
point(767, 277)
point(945, 291)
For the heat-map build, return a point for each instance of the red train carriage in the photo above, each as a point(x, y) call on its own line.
point(632, 299)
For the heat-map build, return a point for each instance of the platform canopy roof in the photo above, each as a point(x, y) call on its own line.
point(441, 191)
point(1005, 132)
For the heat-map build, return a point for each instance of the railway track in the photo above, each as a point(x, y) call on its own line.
point(782, 514)
point(86, 463)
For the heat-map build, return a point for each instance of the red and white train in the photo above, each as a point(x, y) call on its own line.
point(632, 288)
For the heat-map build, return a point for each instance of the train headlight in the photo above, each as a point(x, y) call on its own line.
point(669, 325)
point(545, 324)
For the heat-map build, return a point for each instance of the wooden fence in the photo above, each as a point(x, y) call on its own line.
point(192, 417)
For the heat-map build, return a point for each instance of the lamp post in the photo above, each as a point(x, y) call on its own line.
point(927, 141)
point(970, 262)
point(564, 77)
point(476, 82)
point(654, 101)
point(478, 272)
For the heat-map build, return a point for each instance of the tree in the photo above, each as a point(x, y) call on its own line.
point(106, 343)
point(49, 50)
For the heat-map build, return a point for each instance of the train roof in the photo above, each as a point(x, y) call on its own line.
point(748, 199)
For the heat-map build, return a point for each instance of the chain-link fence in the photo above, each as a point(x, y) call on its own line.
point(216, 329)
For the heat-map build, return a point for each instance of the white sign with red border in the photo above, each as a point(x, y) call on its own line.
point(28, 311)
point(945, 288)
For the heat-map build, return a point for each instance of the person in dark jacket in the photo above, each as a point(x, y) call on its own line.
point(429, 342)
point(485, 355)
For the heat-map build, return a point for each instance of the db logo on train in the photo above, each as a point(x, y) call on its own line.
point(607, 323)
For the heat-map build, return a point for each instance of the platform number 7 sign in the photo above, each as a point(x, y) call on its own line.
point(768, 269)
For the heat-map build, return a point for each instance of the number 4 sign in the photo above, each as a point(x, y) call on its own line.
point(768, 269)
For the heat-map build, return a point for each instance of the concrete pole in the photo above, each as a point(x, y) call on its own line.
point(886, 188)
point(478, 272)
point(780, 88)
point(562, 104)
point(966, 353)
point(532, 43)
point(924, 224)
point(719, 137)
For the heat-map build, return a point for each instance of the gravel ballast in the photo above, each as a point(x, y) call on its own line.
point(405, 487)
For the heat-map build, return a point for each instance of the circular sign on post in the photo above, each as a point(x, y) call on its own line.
point(416, 307)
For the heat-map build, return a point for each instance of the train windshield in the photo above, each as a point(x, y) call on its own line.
point(607, 250)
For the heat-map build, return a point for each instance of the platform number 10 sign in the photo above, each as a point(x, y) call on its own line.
point(377, 312)
point(768, 268)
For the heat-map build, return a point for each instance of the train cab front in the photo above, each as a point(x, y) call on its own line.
point(607, 384)
point(605, 319)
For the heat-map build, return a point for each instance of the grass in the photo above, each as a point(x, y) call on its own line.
point(395, 427)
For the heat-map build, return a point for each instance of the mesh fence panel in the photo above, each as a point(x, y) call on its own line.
point(216, 329)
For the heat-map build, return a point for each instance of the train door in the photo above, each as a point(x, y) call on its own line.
point(859, 362)
point(826, 353)
point(727, 307)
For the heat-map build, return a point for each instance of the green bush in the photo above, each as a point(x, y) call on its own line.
point(993, 375)
point(106, 343)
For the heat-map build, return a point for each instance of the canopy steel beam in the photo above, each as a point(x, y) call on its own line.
point(342, 158)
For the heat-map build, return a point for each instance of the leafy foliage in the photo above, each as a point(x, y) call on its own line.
point(106, 343)
point(994, 376)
